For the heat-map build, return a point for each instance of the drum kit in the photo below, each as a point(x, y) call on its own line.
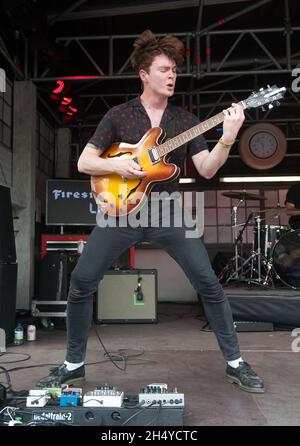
point(275, 255)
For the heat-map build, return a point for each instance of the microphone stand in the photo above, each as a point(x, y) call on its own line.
point(235, 237)
point(240, 239)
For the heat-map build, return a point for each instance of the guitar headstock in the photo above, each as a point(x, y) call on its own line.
point(269, 95)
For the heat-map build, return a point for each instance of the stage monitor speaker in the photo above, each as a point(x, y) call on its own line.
point(127, 296)
point(8, 289)
point(7, 236)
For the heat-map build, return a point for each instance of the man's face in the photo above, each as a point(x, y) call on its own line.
point(161, 77)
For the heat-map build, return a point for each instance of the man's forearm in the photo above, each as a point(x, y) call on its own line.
point(95, 166)
point(216, 158)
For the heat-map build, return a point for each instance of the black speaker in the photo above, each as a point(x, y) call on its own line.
point(8, 289)
point(7, 236)
point(54, 277)
point(127, 296)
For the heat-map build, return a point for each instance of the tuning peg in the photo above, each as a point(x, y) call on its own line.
point(269, 87)
point(277, 103)
point(271, 106)
point(261, 89)
point(263, 108)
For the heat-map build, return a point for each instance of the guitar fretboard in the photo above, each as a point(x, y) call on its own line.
point(190, 134)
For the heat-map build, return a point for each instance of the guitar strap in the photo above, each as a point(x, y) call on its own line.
point(170, 130)
point(171, 133)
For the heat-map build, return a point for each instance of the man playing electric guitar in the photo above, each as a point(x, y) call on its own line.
point(155, 60)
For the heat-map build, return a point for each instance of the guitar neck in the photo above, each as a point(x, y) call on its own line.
point(193, 132)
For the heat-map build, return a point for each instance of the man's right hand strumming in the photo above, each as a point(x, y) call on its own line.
point(127, 168)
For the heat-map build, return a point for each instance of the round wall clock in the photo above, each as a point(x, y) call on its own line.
point(262, 146)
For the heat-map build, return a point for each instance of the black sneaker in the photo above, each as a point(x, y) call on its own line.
point(245, 377)
point(61, 375)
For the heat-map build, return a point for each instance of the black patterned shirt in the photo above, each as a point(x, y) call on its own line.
point(129, 122)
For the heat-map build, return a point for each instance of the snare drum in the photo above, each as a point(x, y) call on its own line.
point(286, 259)
point(269, 235)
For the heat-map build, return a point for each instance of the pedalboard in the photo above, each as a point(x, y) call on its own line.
point(155, 405)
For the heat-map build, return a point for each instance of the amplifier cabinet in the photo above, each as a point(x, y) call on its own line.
point(127, 296)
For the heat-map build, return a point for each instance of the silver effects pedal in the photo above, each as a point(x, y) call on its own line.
point(104, 396)
point(157, 394)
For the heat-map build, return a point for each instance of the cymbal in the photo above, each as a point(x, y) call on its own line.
point(243, 196)
point(278, 209)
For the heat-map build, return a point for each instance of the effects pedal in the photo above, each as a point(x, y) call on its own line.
point(157, 394)
point(70, 396)
point(104, 396)
point(36, 398)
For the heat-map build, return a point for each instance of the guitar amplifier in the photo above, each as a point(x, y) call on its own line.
point(127, 296)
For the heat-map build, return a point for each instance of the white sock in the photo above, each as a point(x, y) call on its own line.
point(73, 366)
point(235, 363)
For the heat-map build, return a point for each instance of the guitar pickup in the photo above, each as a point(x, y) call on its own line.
point(154, 156)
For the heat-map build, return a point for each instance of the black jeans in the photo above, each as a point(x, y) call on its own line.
point(105, 244)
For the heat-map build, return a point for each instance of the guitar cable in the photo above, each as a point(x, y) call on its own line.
point(139, 297)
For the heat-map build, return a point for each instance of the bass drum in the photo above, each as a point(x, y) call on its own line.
point(286, 259)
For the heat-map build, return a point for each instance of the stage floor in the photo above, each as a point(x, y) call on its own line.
point(179, 352)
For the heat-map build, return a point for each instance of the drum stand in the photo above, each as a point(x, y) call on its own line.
point(247, 270)
point(234, 270)
point(257, 261)
point(237, 239)
point(256, 257)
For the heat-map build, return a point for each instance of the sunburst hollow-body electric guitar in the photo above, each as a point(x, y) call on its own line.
point(121, 195)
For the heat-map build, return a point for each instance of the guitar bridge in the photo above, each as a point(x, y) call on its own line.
point(154, 155)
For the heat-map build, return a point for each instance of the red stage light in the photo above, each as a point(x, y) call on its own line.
point(60, 87)
point(66, 101)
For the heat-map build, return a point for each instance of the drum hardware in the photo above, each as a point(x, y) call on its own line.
point(268, 280)
point(236, 269)
point(257, 254)
point(243, 195)
point(281, 265)
point(238, 241)
point(275, 257)
point(262, 270)
point(257, 268)
point(256, 260)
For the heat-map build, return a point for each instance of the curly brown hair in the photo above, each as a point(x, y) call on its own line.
point(147, 46)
